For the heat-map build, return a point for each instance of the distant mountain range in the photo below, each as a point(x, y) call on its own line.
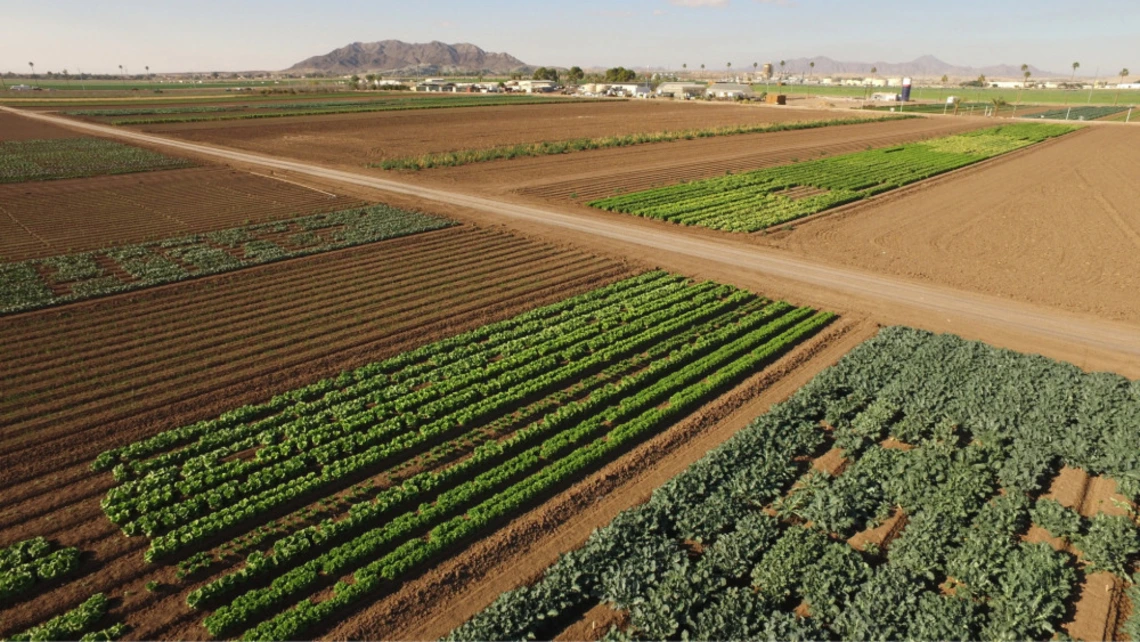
point(924, 66)
point(395, 56)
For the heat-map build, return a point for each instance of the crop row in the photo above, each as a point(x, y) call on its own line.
point(464, 157)
point(27, 285)
point(27, 563)
point(983, 430)
point(77, 624)
point(485, 424)
point(1084, 112)
point(393, 103)
point(753, 201)
point(38, 160)
point(349, 108)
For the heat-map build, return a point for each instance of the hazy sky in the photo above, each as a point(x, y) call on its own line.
point(207, 35)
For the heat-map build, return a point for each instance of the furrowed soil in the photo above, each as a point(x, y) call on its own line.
point(583, 176)
point(46, 218)
point(358, 139)
point(1056, 226)
point(13, 127)
point(105, 373)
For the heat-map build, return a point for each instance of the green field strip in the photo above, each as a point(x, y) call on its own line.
point(57, 158)
point(751, 201)
point(27, 285)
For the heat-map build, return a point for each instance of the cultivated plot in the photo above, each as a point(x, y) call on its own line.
point(929, 512)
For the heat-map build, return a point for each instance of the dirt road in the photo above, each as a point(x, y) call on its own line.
point(1031, 323)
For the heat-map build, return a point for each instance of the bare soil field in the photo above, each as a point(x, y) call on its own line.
point(42, 219)
point(358, 139)
point(582, 176)
point(102, 374)
point(1056, 226)
point(13, 127)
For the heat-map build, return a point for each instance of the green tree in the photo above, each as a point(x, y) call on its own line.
point(945, 79)
point(575, 75)
point(545, 73)
point(620, 74)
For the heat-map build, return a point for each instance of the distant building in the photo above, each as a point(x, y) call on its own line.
point(537, 86)
point(630, 89)
point(767, 73)
point(729, 90)
point(435, 85)
point(681, 89)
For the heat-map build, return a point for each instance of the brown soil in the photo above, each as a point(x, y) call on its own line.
point(594, 624)
point(1068, 487)
point(832, 462)
point(1094, 616)
point(46, 218)
point(105, 373)
point(449, 594)
point(13, 127)
point(1057, 226)
point(1037, 534)
point(881, 535)
point(1101, 497)
point(583, 176)
point(359, 139)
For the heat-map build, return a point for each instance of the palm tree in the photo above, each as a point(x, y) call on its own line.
point(33, 66)
point(728, 66)
point(754, 66)
point(67, 78)
point(1025, 72)
point(1123, 74)
point(782, 63)
point(120, 71)
point(812, 72)
point(1073, 78)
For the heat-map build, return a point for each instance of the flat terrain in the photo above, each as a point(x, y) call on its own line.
point(358, 139)
point(1056, 226)
point(583, 176)
point(46, 218)
point(13, 127)
point(105, 373)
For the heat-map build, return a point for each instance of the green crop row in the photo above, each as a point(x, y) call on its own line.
point(77, 624)
point(26, 285)
point(1083, 112)
point(39, 160)
point(760, 199)
point(983, 429)
point(27, 563)
point(467, 156)
point(508, 411)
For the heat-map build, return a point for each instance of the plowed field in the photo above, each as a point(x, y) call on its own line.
point(103, 374)
point(13, 127)
point(44, 219)
point(1057, 226)
point(358, 139)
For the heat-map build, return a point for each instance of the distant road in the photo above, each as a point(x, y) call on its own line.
point(1123, 340)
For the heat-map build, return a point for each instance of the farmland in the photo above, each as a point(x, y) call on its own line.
point(761, 199)
point(1079, 113)
point(299, 397)
point(194, 114)
point(356, 140)
point(37, 283)
point(910, 432)
point(38, 160)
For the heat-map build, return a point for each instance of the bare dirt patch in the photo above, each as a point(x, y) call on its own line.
point(594, 624)
point(13, 127)
point(48, 218)
point(1056, 226)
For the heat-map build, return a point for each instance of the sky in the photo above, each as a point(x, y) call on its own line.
point(234, 35)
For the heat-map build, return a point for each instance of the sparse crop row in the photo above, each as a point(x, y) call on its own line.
point(319, 109)
point(955, 436)
point(28, 285)
point(395, 102)
point(467, 431)
point(760, 199)
point(38, 160)
point(1084, 112)
point(77, 624)
point(464, 157)
point(27, 563)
